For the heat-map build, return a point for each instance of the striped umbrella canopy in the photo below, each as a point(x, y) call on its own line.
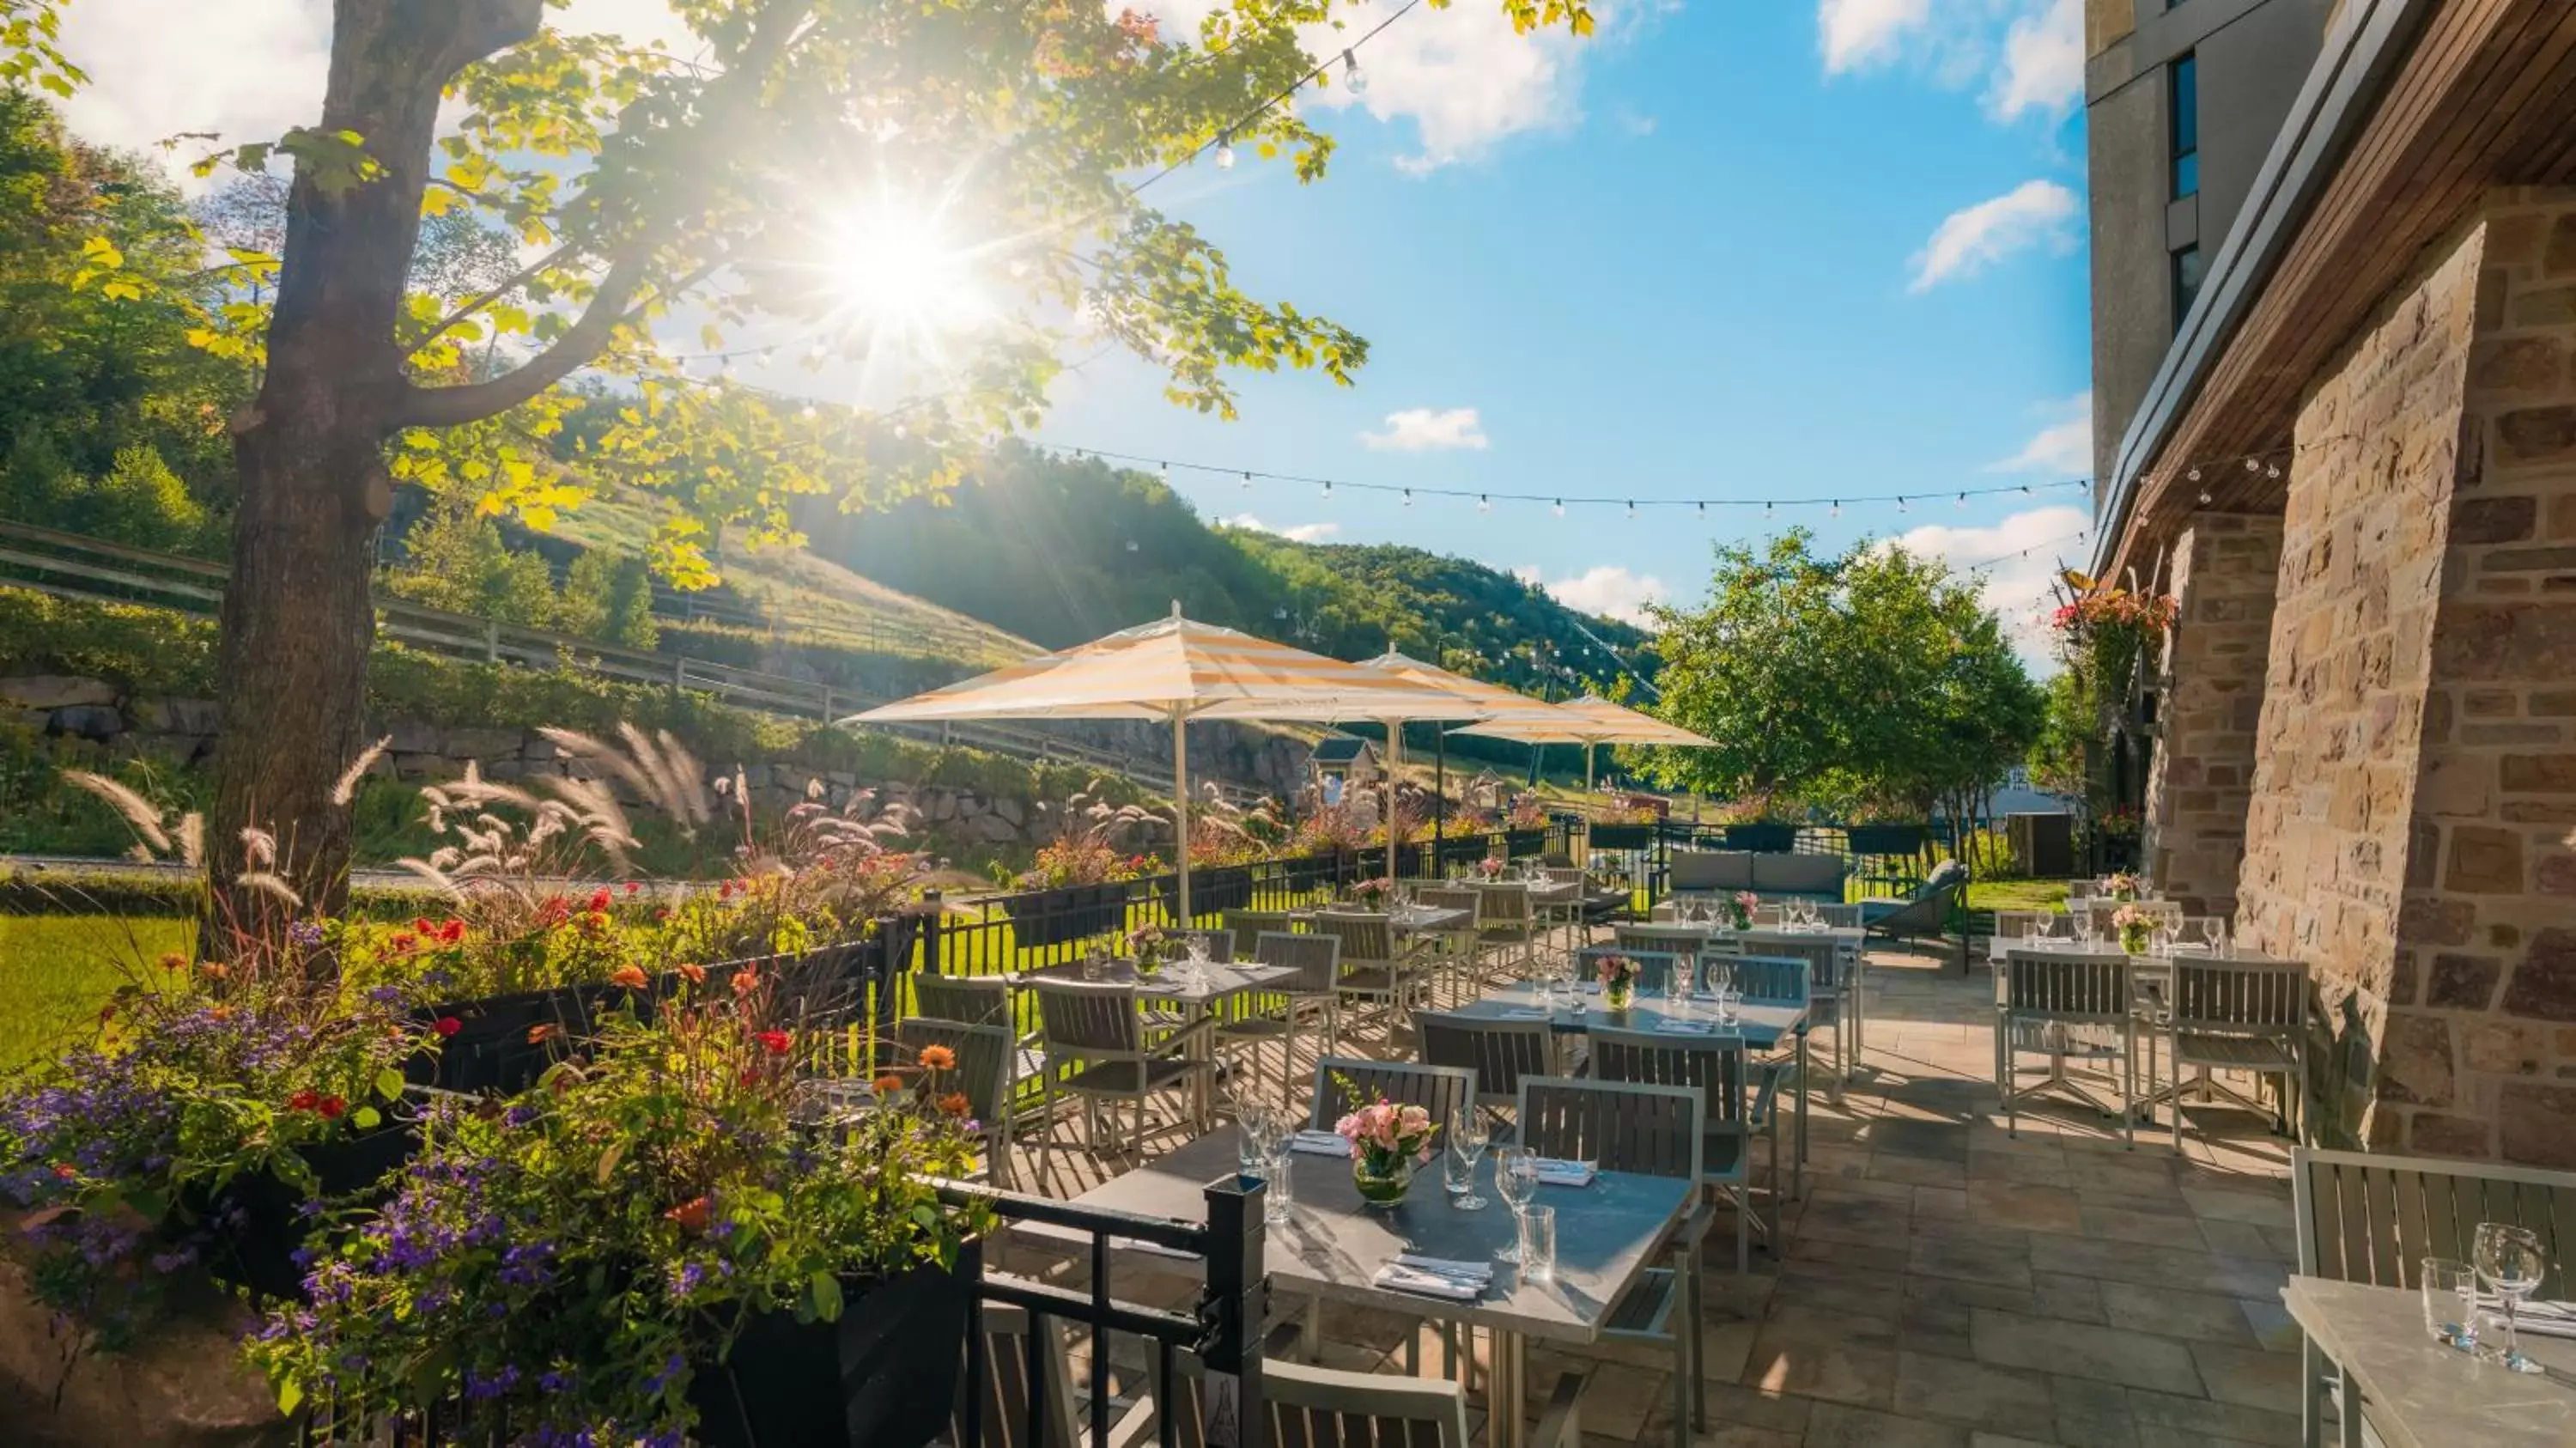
point(1588, 721)
point(1177, 669)
point(1477, 700)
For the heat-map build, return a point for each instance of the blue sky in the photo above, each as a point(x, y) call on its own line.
point(1704, 267)
point(1724, 249)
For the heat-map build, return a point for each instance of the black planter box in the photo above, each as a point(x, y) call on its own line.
point(884, 1375)
point(257, 1251)
point(1762, 839)
point(1623, 837)
point(1226, 887)
point(1067, 913)
point(1522, 844)
point(1887, 839)
point(491, 1050)
point(1465, 849)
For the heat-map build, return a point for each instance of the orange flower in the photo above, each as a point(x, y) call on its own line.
point(694, 974)
point(888, 1084)
point(221, 1013)
point(215, 969)
point(629, 975)
point(691, 1214)
point(173, 960)
point(938, 1058)
point(538, 1035)
point(955, 1103)
point(745, 981)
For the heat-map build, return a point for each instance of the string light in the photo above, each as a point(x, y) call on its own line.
point(1225, 151)
point(1963, 501)
point(1838, 507)
point(1560, 507)
point(1328, 487)
point(1351, 74)
point(1247, 480)
point(2252, 466)
point(1900, 506)
point(1166, 471)
point(2195, 475)
point(1408, 497)
point(1484, 504)
point(1632, 510)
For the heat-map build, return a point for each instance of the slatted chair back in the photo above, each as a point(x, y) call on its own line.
point(1089, 1020)
point(1002, 1417)
point(1219, 944)
point(1655, 968)
point(1500, 1053)
point(1617, 1126)
point(1674, 938)
point(2018, 925)
point(1779, 980)
point(2102, 910)
point(1502, 905)
point(1314, 1407)
point(985, 1055)
point(2081, 890)
point(1317, 959)
point(2239, 997)
point(1367, 938)
point(1766, 917)
point(1842, 917)
point(1450, 897)
point(1716, 1066)
point(1561, 874)
point(2364, 1217)
point(1250, 925)
point(1444, 1091)
point(1822, 953)
point(975, 1000)
point(2077, 989)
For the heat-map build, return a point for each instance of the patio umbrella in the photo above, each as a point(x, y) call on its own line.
point(1475, 698)
point(1175, 669)
point(1589, 721)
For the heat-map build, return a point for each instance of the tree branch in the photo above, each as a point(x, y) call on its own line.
point(472, 305)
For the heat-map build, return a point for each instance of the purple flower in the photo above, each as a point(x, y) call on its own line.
point(484, 1388)
point(671, 1368)
point(305, 933)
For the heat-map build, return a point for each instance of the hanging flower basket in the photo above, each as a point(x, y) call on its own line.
point(258, 1222)
point(1763, 839)
point(1067, 912)
point(1623, 837)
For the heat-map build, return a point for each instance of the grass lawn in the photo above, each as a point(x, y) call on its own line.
point(59, 969)
point(2017, 895)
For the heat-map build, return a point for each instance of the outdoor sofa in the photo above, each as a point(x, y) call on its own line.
point(1709, 873)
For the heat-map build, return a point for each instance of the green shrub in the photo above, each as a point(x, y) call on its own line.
point(143, 650)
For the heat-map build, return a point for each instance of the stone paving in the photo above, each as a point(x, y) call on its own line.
point(1946, 1284)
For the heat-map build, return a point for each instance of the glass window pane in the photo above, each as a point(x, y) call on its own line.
point(2186, 104)
point(2186, 281)
point(2186, 175)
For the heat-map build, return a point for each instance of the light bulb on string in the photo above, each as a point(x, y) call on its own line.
point(1247, 480)
point(1900, 506)
point(1328, 487)
point(808, 412)
point(2272, 470)
point(2253, 466)
point(1560, 507)
point(1165, 469)
point(1351, 74)
point(1838, 508)
point(1408, 497)
point(1963, 501)
point(1225, 151)
point(2194, 475)
point(1484, 504)
point(2205, 499)
point(1632, 510)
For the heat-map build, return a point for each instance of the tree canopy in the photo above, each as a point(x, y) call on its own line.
point(1872, 681)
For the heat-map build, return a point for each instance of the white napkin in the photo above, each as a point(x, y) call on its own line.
point(1320, 1143)
point(1686, 1028)
point(2531, 1325)
point(1555, 1172)
point(1134, 1244)
point(1396, 1277)
point(1524, 1013)
point(1447, 1267)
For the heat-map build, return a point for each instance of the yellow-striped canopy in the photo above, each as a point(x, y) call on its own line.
point(1588, 720)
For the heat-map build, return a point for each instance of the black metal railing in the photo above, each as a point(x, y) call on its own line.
point(1221, 1338)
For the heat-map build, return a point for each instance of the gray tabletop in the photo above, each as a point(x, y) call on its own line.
point(1221, 980)
point(2421, 1394)
point(1406, 919)
point(1762, 1025)
point(1607, 1234)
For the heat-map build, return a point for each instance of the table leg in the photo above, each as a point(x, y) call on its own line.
point(1504, 1394)
point(1798, 1162)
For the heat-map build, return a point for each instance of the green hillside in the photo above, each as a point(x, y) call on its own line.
point(1060, 552)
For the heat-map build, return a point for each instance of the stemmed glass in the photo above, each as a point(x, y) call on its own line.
point(2511, 1264)
point(1467, 1137)
point(1255, 1135)
point(1515, 1181)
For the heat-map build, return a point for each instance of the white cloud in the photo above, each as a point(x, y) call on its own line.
point(1970, 239)
point(1607, 589)
point(2063, 448)
point(1295, 533)
point(2043, 62)
point(1419, 429)
point(1857, 33)
point(2016, 586)
point(246, 68)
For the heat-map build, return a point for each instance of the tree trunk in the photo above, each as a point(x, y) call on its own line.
point(297, 622)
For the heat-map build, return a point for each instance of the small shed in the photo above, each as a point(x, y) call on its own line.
point(1342, 763)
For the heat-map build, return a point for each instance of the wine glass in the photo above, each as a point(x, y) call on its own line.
point(1515, 1181)
point(1252, 1130)
point(2511, 1264)
point(1467, 1138)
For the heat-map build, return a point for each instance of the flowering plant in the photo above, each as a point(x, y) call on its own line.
point(1372, 891)
point(2120, 885)
point(1614, 971)
point(2134, 923)
point(1384, 1135)
point(1491, 867)
point(2117, 823)
point(1086, 847)
point(570, 1262)
point(1527, 813)
point(1740, 907)
point(1146, 943)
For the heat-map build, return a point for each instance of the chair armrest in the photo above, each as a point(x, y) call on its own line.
point(1560, 1423)
point(1694, 1227)
point(1766, 1094)
point(1173, 1044)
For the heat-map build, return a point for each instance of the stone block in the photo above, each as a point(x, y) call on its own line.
point(2543, 307)
point(2503, 1048)
point(2536, 1124)
point(2518, 364)
point(2558, 254)
point(410, 736)
point(2538, 773)
point(2481, 642)
point(2463, 982)
point(486, 745)
point(2543, 987)
point(2555, 876)
point(87, 721)
point(2430, 1133)
point(56, 691)
point(2536, 435)
point(2484, 861)
point(2415, 1065)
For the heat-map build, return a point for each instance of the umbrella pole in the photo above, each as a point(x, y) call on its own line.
point(1439, 795)
point(1394, 758)
point(1181, 805)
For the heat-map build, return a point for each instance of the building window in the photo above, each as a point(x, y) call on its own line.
point(2186, 126)
point(2186, 282)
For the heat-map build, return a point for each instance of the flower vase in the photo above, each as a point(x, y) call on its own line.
point(1382, 1184)
point(1617, 995)
point(1738, 918)
point(2133, 939)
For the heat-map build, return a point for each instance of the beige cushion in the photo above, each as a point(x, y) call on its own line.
point(1711, 870)
point(1798, 875)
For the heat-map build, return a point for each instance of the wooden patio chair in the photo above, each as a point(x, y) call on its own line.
point(1672, 938)
point(1249, 926)
point(1649, 1130)
point(1832, 993)
point(1311, 991)
point(1096, 1033)
point(1374, 969)
point(2364, 1217)
point(981, 1000)
point(1219, 943)
point(1739, 1098)
point(1318, 1407)
point(1006, 1389)
point(2237, 1015)
point(1655, 968)
point(1506, 924)
point(2070, 1007)
point(1499, 1053)
point(1446, 1092)
point(1456, 950)
point(982, 1074)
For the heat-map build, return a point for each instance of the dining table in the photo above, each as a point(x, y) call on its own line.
point(1765, 1025)
point(1190, 989)
point(1332, 1245)
point(2418, 1391)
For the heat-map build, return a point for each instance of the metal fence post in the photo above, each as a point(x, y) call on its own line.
point(492, 641)
point(1232, 1410)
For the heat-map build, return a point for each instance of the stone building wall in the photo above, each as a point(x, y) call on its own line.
point(2416, 774)
point(2225, 569)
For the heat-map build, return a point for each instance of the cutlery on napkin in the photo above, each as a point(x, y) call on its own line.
point(1692, 1028)
point(1524, 1013)
point(1447, 1267)
point(1556, 1172)
point(1320, 1143)
point(1397, 1277)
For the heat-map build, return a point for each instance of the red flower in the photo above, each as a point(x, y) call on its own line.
point(64, 1171)
point(691, 1214)
point(745, 981)
point(331, 1108)
point(775, 1043)
point(421, 924)
point(629, 976)
point(599, 900)
point(303, 1101)
point(452, 932)
point(448, 1026)
point(725, 891)
point(632, 887)
point(403, 942)
point(693, 973)
point(538, 1035)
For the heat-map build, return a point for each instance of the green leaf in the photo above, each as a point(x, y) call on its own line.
point(389, 1084)
point(290, 1396)
point(826, 1291)
point(366, 1118)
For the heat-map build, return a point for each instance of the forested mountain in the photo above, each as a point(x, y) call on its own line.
point(1063, 551)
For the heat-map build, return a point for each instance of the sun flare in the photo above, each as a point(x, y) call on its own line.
point(895, 267)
